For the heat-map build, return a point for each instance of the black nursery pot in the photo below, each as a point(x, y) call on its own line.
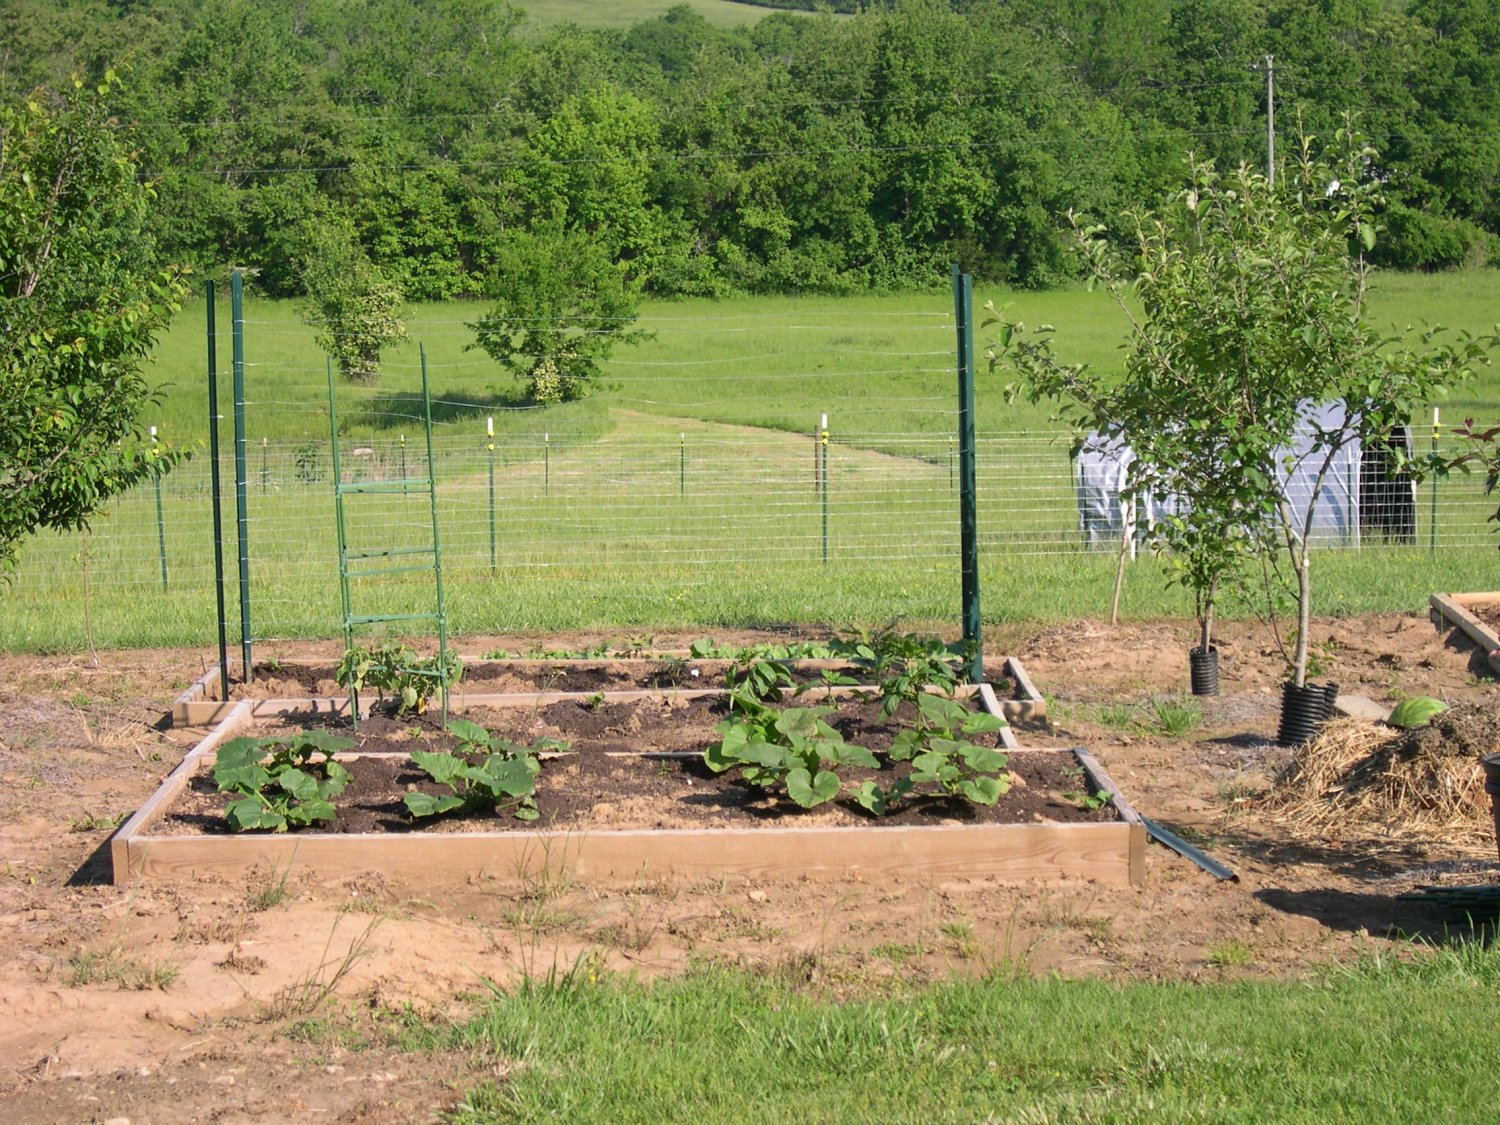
point(1491, 766)
point(1203, 667)
point(1304, 710)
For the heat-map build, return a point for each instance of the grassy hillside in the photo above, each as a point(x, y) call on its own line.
point(876, 365)
point(624, 13)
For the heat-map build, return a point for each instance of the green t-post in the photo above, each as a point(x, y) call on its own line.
point(161, 523)
point(241, 501)
point(963, 316)
point(217, 487)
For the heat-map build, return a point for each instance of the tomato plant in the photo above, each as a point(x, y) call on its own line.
point(411, 679)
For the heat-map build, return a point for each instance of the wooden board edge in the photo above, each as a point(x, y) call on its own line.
point(1103, 783)
point(1137, 861)
point(1453, 608)
point(122, 844)
point(195, 692)
point(1098, 852)
point(1027, 689)
point(993, 706)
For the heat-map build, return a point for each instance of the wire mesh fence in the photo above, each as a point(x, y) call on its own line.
point(705, 500)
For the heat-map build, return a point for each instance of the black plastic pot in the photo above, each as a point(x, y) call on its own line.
point(1491, 764)
point(1203, 667)
point(1304, 710)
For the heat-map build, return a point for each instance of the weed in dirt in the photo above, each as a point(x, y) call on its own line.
point(112, 966)
point(961, 934)
point(631, 934)
point(734, 924)
point(88, 822)
point(1175, 717)
point(898, 953)
point(309, 991)
point(1230, 954)
point(1116, 716)
point(239, 961)
point(268, 891)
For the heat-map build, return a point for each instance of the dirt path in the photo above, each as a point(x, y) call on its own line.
point(258, 1001)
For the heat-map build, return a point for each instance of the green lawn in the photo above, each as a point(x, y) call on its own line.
point(1389, 1043)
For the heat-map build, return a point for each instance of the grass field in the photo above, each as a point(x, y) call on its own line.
point(875, 364)
point(684, 493)
point(624, 13)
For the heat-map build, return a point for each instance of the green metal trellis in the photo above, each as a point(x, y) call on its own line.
point(383, 561)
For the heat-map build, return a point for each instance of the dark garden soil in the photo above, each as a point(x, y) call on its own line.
point(292, 680)
point(617, 774)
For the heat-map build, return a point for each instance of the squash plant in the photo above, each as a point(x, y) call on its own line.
point(787, 748)
point(941, 754)
point(282, 781)
point(504, 780)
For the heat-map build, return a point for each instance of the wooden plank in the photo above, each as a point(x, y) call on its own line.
point(991, 704)
point(1137, 861)
point(1098, 852)
point(195, 692)
point(1103, 783)
point(1031, 707)
point(1452, 607)
point(121, 843)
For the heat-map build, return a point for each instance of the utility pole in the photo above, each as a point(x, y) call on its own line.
point(1271, 120)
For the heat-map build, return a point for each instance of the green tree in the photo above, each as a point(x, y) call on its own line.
point(82, 296)
point(562, 305)
point(354, 306)
point(1253, 312)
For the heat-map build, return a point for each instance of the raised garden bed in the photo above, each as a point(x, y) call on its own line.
point(1475, 615)
point(275, 688)
point(632, 800)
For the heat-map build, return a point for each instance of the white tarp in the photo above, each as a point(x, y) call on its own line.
point(1101, 467)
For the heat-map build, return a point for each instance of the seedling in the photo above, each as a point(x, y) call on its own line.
point(754, 681)
point(828, 679)
point(282, 781)
point(1087, 802)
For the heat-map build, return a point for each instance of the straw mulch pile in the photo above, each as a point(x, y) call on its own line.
point(1384, 789)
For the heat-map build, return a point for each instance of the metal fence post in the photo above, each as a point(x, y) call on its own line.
point(241, 501)
point(1432, 514)
point(215, 485)
point(161, 525)
point(963, 315)
point(489, 432)
point(823, 445)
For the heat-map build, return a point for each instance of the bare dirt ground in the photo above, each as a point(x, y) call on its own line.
point(256, 1000)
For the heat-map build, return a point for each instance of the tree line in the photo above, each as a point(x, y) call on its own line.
point(439, 141)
